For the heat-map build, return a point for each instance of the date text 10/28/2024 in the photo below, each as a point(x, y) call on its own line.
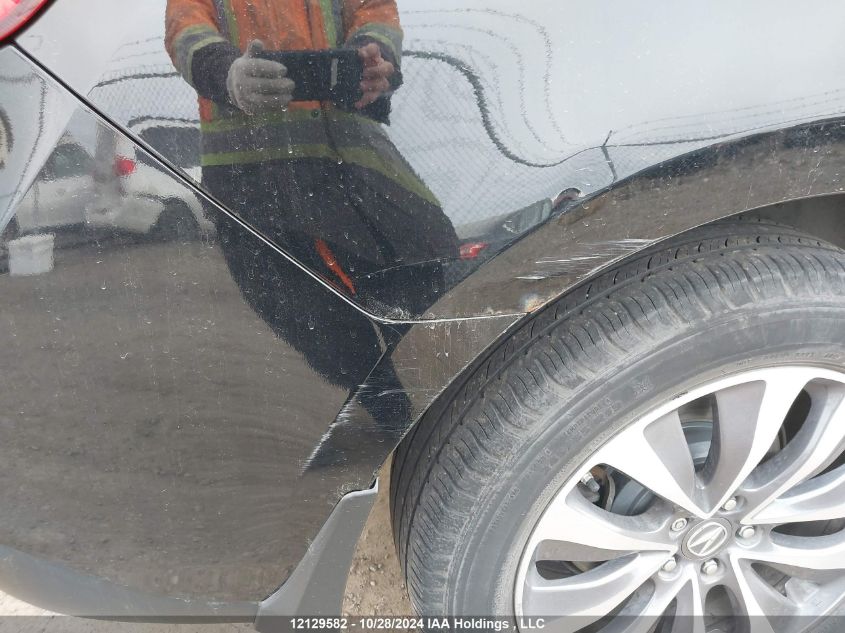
point(452, 623)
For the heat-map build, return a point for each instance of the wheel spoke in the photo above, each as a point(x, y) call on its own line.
point(808, 552)
point(820, 499)
point(574, 521)
point(658, 458)
point(641, 615)
point(749, 418)
point(689, 608)
point(589, 596)
point(815, 446)
point(758, 600)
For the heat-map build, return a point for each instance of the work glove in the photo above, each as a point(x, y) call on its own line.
point(377, 74)
point(258, 85)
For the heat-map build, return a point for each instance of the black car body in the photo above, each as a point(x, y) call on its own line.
point(192, 418)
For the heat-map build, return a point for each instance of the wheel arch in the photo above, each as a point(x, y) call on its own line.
point(820, 216)
point(533, 326)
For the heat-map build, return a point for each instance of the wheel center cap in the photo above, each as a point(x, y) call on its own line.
point(706, 539)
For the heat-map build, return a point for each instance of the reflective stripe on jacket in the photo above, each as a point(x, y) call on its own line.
point(304, 129)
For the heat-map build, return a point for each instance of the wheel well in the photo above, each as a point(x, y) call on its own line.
point(172, 203)
point(821, 216)
point(176, 207)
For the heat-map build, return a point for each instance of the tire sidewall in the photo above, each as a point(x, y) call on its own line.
point(483, 572)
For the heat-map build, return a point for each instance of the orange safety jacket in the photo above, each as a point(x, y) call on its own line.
point(203, 37)
point(280, 24)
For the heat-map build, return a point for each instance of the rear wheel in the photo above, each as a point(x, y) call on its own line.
point(665, 441)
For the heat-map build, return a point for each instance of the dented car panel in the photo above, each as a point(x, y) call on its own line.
point(163, 388)
point(189, 406)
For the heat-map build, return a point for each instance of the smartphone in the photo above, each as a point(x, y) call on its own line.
point(326, 75)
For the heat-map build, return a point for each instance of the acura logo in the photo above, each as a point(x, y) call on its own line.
point(706, 538)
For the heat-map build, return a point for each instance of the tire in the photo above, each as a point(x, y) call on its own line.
point(11, 231)
point(470, 484)
point(177, 223)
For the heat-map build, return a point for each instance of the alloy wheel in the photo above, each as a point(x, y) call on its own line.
point(721, 510)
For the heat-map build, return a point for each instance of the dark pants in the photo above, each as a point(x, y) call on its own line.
point(386, 244)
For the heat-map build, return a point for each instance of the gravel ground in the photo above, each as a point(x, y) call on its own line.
point(374, 587)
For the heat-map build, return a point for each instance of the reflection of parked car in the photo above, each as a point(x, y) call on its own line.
point(482, 240)
point(60, 194)
point(144, 199)
point(176, 140)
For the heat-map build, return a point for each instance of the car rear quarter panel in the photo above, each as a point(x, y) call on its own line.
point(174, 442)
point(160, 430)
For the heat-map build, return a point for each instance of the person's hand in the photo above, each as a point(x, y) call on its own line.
point(258, 85)
point(377, 73)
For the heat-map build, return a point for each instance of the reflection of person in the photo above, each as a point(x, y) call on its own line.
point(325, 183)
point(306, 171)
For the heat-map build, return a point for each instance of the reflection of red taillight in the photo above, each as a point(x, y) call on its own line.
point(123, 166)
point(15, 13)
point(471, 250)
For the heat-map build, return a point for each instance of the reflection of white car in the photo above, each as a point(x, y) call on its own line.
point(137, 196)
point(61, 193)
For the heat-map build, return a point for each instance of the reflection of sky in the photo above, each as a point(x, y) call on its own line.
point(619, 63)
point(555, 77)
point(561, 76)
point(104, 27)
